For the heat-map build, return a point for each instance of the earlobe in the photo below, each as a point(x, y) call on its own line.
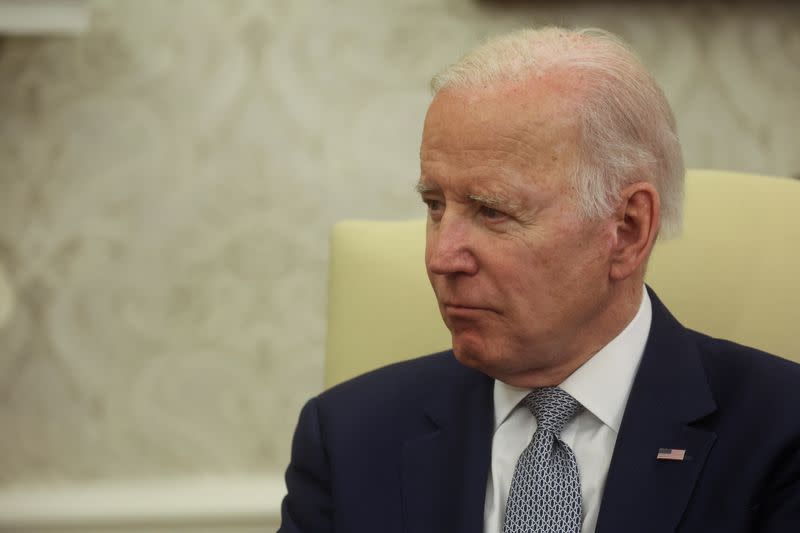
point(638, 219)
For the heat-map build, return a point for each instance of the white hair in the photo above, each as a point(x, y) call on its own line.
point(627, 130)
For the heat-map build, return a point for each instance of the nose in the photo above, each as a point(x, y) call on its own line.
point(448, 248)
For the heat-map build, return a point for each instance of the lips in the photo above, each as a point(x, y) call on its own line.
point(461, 307)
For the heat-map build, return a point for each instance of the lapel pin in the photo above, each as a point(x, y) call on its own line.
point(670, 454)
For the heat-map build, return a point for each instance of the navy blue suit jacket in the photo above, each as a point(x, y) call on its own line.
point(407, 448)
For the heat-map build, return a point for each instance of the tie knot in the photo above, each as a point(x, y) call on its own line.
point(552, 407)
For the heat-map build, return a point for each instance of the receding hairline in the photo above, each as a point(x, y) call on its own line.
point(521, 54)
point(559, 81)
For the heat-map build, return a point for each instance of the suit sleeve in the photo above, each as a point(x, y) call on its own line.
point(307, 507)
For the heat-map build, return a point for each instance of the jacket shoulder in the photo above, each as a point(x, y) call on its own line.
point(739, 374)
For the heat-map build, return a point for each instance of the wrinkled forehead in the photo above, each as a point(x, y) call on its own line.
point(545, 100)
point(530, 125)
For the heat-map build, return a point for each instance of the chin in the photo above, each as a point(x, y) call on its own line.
point(492, 360)
point(475, 355)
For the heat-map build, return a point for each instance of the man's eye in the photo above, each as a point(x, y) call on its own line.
point(433, 205)
point(491, 213)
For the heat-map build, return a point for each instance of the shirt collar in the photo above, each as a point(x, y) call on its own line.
point(602, 384)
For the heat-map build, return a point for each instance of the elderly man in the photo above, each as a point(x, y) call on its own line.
point(572, 401)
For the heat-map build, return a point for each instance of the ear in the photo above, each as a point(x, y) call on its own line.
point(638, 219)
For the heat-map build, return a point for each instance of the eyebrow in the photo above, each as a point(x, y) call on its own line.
point(493, 200)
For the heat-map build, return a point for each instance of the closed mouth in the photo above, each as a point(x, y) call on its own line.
point(460, 307)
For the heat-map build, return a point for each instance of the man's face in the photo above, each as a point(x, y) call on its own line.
point(521, 280)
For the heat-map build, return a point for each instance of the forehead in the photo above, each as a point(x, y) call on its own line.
point(517, 130)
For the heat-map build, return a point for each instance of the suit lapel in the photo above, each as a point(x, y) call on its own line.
point(444, 471)
point(669, 393)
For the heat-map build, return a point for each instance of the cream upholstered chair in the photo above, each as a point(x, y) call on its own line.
point(734, 273)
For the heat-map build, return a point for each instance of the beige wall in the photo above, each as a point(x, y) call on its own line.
point(168, 180)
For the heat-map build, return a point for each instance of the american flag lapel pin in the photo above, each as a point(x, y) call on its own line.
point(670, 454)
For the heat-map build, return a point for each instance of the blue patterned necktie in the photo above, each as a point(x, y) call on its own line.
point(545, 494)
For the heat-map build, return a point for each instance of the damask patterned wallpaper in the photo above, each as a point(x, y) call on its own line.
point(168, 181)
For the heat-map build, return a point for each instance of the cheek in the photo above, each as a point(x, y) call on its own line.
point(525, 275)
point(585, 271)
point(550, 271)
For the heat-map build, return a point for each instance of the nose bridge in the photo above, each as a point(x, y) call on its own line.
point(449, 246)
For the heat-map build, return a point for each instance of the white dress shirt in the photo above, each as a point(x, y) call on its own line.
point(602, 386)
